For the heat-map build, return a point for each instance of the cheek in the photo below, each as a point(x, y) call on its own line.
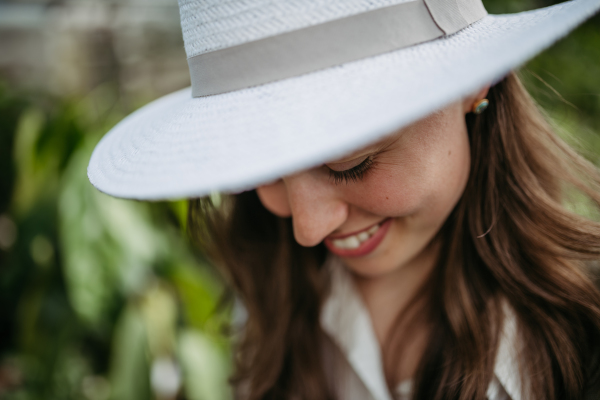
point(394, 192)
point(426, 181)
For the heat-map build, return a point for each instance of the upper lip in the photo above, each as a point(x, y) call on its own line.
point(345, 235)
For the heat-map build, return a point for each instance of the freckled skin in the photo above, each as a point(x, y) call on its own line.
point(413, 180)
point(423, 184)
point(417, 177)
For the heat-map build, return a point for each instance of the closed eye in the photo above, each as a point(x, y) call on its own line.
point(353, 174)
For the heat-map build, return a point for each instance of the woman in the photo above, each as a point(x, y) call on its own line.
point(468, 217)
point(434, 260)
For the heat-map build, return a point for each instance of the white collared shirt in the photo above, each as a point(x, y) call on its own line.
point(353, 361)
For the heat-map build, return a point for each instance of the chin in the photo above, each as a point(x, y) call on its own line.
point(372, 267)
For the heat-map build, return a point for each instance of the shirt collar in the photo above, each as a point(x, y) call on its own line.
point(346, 320)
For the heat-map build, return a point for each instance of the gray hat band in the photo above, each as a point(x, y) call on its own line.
point(328, 44)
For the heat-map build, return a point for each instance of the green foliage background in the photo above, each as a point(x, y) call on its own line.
point(95, 289)
point(95, 292)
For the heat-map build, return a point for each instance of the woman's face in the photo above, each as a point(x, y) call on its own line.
point(379, 207)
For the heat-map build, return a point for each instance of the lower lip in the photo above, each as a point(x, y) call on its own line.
point(365, 247)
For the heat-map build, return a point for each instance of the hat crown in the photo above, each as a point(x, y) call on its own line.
point(209, 25)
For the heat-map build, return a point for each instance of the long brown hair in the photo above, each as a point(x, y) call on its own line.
point(510, 239)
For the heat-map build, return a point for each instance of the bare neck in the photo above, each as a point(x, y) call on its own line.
point(387, 296)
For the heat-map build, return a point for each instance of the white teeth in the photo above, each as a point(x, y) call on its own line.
point(339, 243)
point(354, 241)
point(373, 230)
point(363, 236)
point(351, 242)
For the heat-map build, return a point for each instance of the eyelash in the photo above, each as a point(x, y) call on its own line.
point(353, 174)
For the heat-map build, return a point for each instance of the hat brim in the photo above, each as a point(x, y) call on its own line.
point(179, 146)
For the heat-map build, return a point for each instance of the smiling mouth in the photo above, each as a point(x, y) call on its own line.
point(359, 243)
point(354, 241)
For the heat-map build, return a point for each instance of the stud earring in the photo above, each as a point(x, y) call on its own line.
point(480, 105)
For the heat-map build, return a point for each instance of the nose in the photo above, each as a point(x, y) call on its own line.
point(316, 207)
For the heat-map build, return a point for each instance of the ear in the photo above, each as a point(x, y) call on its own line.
point(469, 100)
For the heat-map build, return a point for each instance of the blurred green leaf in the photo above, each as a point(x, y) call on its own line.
point(129, 377)
point(205, 368)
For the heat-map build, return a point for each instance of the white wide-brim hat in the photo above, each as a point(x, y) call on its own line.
point(281, 86)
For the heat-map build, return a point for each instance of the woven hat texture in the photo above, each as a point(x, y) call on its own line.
point(179, 146)
point(213, 25)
